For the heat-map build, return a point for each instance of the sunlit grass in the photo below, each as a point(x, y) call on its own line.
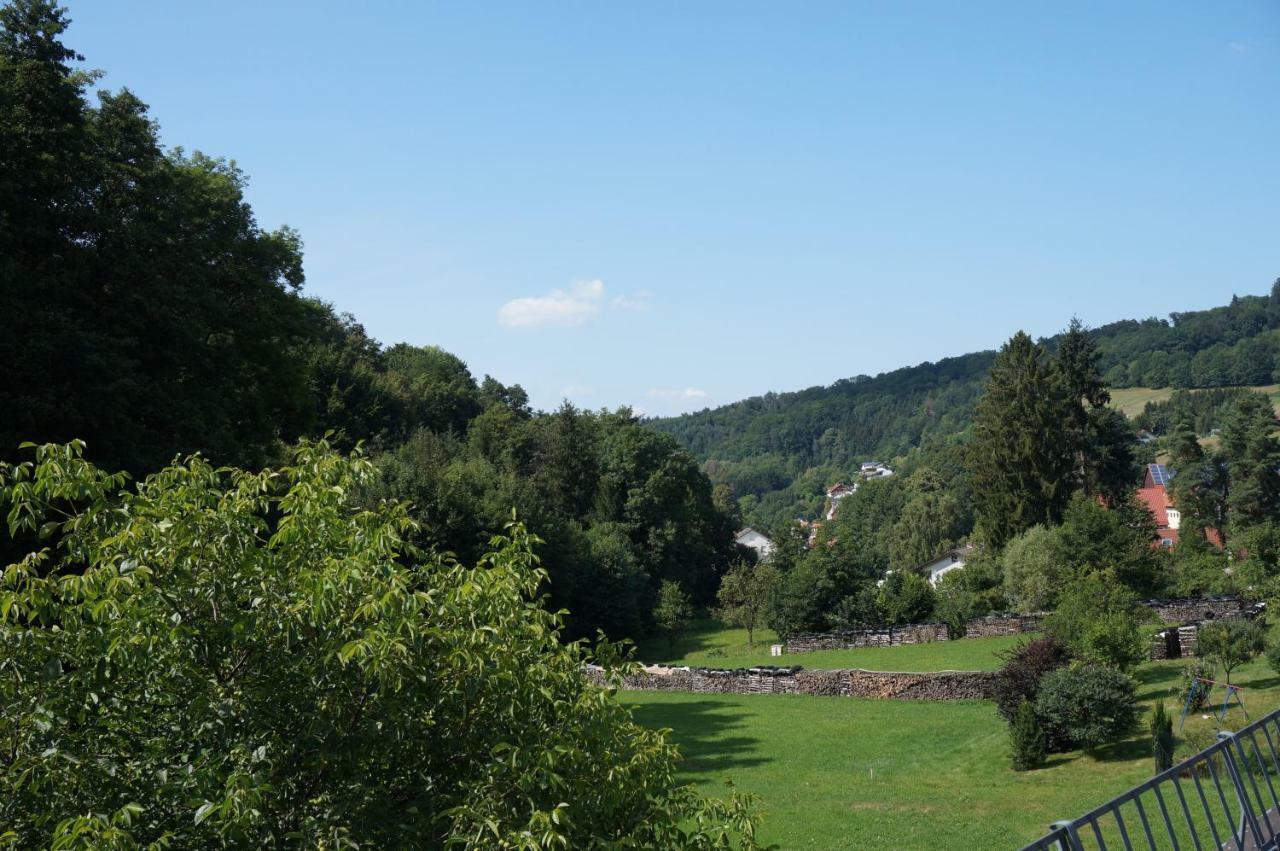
point(842, 773)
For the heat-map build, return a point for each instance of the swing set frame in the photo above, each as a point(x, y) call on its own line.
point(1233, 691)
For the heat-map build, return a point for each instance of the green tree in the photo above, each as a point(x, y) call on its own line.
point(218, 658)
point(1020, 456)
point(1033, 574)
point(673, 612)
point(1230, 643)
point(905, 598)
point(1087, 705)
point(745, 594)
point(1097, 619)
point(146, 311)
point(1027, 739)
point(1161, 738)
point(1101, 439)
point(1252, 456)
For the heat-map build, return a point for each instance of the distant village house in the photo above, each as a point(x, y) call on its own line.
point(753, 540)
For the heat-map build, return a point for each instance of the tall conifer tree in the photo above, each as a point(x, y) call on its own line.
point(1021, 456)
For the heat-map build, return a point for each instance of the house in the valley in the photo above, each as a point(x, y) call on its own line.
point(941, 565)
point(874, 470)
point(753, 540)
point(1155, 495)
point(835, 493)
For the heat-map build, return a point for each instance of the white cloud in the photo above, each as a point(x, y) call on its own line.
point(634, 303)
point(685, 394)
point(558, 308)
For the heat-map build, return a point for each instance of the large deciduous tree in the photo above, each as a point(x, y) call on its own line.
point(218, 658)
point(145, 309)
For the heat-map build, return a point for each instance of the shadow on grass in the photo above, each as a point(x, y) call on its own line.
point(703, 730)
point(696, 640)
point(1158, 681)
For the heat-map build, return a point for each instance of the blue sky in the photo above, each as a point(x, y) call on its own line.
point(674, 205)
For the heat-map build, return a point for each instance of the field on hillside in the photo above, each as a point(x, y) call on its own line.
point(1131, 400)
point(711, 645)
point(838, 773)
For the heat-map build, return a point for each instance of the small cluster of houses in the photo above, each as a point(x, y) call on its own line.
point(1154, 493)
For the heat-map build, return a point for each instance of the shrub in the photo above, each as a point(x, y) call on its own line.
point(1024, 666)
point(1098, 619)
point(1161, 738)
point(1027, 738)
point(1086, 705)
point(906, 598)
point(1273, 657)
point(1230, 643)
point(218, 658)
point(1201, 669)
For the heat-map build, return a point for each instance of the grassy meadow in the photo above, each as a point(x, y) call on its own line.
point(1131, 400)
point(839, 773)
point(709, 644)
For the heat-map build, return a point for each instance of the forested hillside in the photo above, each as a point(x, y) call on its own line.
point(774, 454)
point(147, 313)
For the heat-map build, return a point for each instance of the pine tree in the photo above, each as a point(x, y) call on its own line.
point(1021, 456)
point(1101, 439)
point(1162, 738)
point(1253, 462)
point(1028, 738)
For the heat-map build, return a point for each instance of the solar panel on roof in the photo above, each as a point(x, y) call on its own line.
point(1159, 474)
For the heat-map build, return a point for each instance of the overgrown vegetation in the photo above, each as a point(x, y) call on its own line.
point(219, 658)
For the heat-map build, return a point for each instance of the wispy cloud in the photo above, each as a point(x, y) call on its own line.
point(559, 308)
point(566, 308)
point(686, 394)
point(1239, 47)
point(634, 303)
point(576, 391)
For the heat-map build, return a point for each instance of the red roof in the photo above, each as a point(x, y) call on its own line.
point(1157, 502)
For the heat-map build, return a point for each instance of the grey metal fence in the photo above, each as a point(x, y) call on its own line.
point(1223, 797)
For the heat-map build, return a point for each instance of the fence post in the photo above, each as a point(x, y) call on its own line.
point(1064, 842)
point(1247, 818)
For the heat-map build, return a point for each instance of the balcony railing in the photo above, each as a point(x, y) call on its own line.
point(1224, 797)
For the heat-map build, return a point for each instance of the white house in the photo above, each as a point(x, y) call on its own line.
point(749, 537)
point(944, 564)
point(874, 470)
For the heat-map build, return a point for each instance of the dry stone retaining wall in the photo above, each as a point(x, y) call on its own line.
point(939, 685)
point(1185, 610)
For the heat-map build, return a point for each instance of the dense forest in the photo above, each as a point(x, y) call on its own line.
point(774, 455)
point(148, 314)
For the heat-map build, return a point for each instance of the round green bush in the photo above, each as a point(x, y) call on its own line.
point(1086, 705)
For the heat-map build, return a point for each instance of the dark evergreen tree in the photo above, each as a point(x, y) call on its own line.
point(1020, 457)
point(1252, 457)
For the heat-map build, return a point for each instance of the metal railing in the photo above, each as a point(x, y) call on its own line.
point(1223, 797)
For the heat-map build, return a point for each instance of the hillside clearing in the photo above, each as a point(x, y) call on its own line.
point(1131, 400)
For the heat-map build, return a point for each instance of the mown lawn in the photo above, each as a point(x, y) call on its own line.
point(712, 645)
point(842, 773)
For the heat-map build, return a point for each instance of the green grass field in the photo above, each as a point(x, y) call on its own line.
point(1131, 400)
point(841, 773)
point(711, 645)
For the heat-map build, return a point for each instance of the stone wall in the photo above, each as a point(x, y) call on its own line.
point(888, 685)
point(1010, 624)
point(1190, 609)
point(1186, 610)
point(880, 636)
point(919, 633)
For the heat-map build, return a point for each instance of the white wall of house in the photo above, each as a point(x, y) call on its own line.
point(751, 538)
point(943, 565)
